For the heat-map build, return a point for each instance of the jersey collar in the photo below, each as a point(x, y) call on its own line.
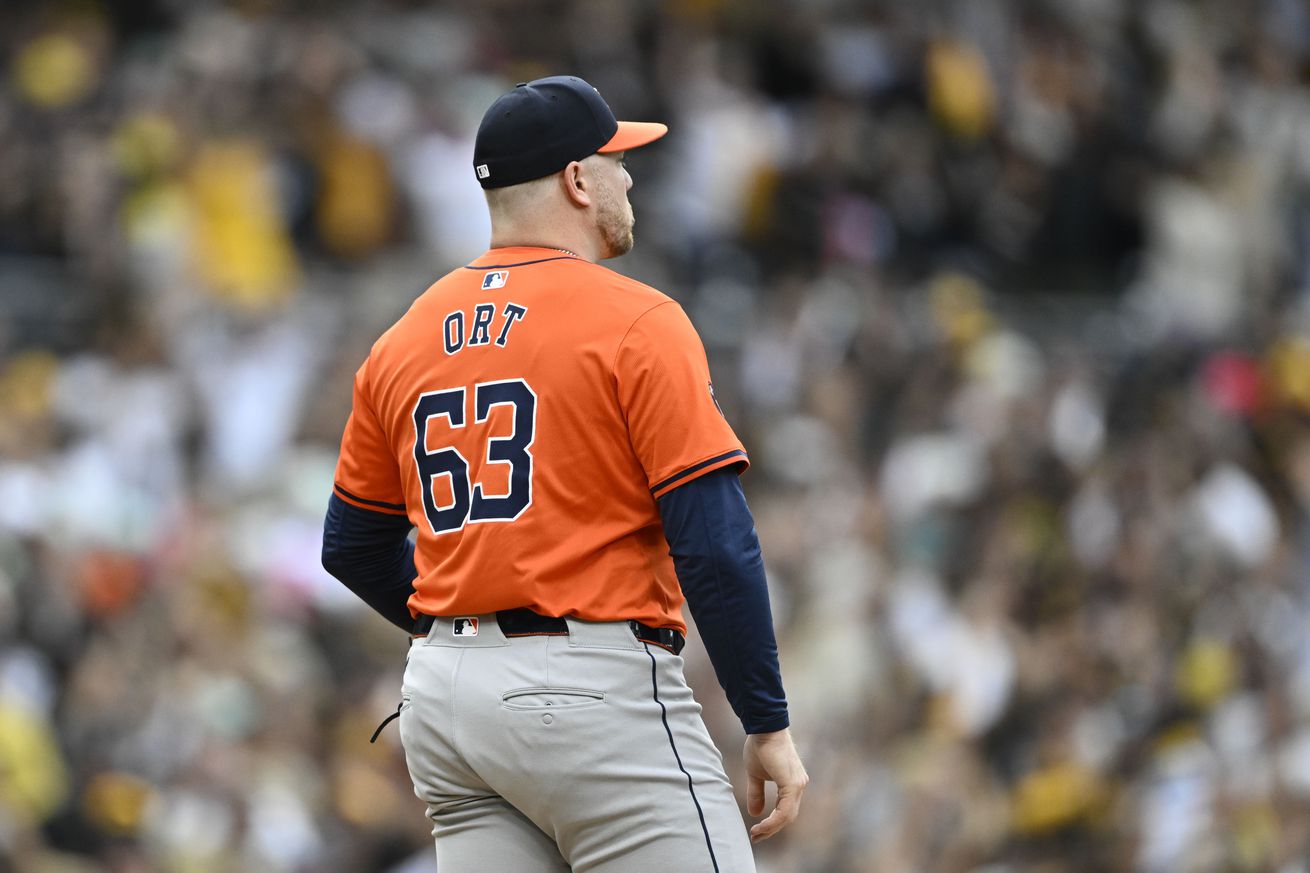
point(518, 256)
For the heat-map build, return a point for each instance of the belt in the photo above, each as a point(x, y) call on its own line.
point(526, 623)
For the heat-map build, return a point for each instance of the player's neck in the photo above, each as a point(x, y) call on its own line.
point(573, 244)
point(540, 245)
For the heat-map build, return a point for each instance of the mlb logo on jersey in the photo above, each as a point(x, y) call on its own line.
point(465, 627)
point(495, 279)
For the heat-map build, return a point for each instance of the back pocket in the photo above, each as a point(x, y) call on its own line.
point(551, 697)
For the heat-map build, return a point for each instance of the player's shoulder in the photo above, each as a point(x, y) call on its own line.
point(584, 294)
point(627, 296)
point(394, 345)
point(415, 312)
point(569, 294)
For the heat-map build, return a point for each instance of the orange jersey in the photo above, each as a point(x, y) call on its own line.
point(525, 414)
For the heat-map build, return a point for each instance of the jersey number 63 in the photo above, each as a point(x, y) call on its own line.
point(470, 504)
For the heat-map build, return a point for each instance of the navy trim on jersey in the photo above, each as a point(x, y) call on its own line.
point(522, 263)
point(664, 717)
point(695, 468)
point(383, 504)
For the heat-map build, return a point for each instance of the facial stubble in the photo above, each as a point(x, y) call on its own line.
point(615, 220)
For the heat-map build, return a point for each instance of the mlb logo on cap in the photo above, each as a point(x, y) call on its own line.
point(496, 279)
point(465, 627)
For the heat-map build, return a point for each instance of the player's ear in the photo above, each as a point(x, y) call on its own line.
point(577, 185)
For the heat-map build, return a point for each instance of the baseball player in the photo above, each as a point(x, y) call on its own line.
point(550, 429)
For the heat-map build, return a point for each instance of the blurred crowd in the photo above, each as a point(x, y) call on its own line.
point(1008, 299)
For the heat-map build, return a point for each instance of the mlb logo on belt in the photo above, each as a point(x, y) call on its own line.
point(465, 627)
point(495, 279)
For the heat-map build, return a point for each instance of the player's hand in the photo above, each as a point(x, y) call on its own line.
point(772, 757)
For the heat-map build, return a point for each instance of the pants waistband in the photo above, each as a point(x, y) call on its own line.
point(524, 623)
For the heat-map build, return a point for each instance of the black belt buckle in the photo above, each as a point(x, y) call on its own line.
point(660, 636)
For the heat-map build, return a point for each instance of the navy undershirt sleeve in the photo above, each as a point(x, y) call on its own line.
point(370, 553)
point(716, 554)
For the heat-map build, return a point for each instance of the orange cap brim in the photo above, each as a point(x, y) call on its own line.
point(632, 134)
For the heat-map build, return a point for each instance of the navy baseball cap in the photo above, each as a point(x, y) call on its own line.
point(542, 125)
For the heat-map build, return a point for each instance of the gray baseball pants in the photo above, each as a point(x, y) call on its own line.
point(545, 754)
